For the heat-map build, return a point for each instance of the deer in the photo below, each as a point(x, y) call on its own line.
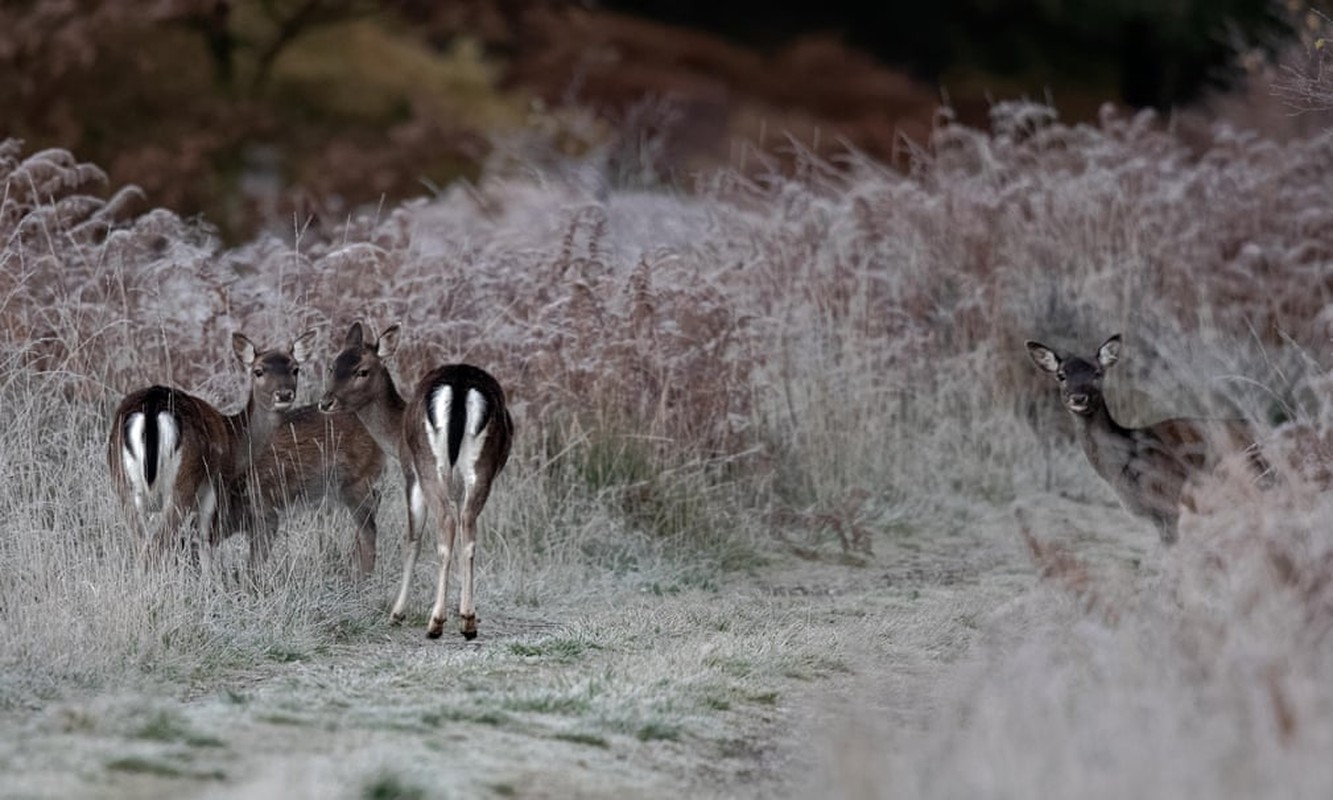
point(309, 456)
point(452, 437)
point(174, 453)
point(1154, 468)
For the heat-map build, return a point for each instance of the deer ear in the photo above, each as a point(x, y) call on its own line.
point(355, 336)
point(304, 346)
point(388, 342)
point(244, 349)
point(1109, 352)
point(1043, 357)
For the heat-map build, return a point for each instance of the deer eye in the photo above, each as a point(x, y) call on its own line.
point(363, 373)
point(1060, 375)
point(259, 372)
point(296, 370)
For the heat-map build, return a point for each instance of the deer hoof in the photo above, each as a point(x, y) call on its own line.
point(397, 617)
point(435, 629)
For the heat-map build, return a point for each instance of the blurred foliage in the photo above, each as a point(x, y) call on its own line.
point(249, 110)
point(1145, 52)
point(281, 113)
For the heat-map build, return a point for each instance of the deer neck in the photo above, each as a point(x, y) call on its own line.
point(1108, 444)
point(384, 417)
point(253, 430)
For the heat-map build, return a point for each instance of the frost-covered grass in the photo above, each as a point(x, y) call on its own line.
point(707, 385)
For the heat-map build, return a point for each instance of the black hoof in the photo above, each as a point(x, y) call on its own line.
point(433, 633)
point(469, 635)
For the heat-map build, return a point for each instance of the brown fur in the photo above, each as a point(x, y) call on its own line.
point(362, 385)
point(1151, 468)
point(312, 455)
point(212, 451)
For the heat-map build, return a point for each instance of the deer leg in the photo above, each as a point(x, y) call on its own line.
point(416, 522)
point(263, 530)
point(363, 500)
point(1166, 529)
point(132, 509)
point(466, 612)
point(186, 495)
point(447, 525)
point(473, 501)
point(159, 544)
point(201, 550)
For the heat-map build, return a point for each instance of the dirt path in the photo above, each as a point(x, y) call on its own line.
point(745, 691)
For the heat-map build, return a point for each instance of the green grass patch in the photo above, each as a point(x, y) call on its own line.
point(578, 737)
point(391, 787)
point(563, 650)
point(150, 766)
point(657, 731)
point(284, 655)
point(352, 629)
point(716, 702)
point(439, 718)
point(279, 718)
point(549, 703)
point(732, 667)
point(165, 726)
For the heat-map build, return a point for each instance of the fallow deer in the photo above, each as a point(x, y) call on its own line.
point(309, 456)
point(1150, 468)
point(172, 452)
point(452, 438)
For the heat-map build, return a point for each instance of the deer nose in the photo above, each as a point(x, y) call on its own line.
point(284, 396)
point(1078, 399)
point(327, 404)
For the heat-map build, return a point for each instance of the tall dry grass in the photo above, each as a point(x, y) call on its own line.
point(820, 363)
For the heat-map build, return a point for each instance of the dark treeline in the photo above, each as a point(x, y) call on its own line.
point(1150, 52)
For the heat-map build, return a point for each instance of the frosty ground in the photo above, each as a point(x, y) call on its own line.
point(790, 512)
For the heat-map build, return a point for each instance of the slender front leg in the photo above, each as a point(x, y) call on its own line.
point(363, 500)
point(264, 529)
point(447, 525)
point(416, 521)
point(466, 613)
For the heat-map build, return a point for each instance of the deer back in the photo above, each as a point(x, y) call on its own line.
point(458, 422)
point(160, 434)
point(310, 453)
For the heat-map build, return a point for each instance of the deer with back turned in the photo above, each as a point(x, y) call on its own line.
point(452, 437)
point(1151, 468)
point(174, 453)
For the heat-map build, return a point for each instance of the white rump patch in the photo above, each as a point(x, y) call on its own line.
point(441, 403)
point(473, 437)
point(469, 449)
point(133, 458)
